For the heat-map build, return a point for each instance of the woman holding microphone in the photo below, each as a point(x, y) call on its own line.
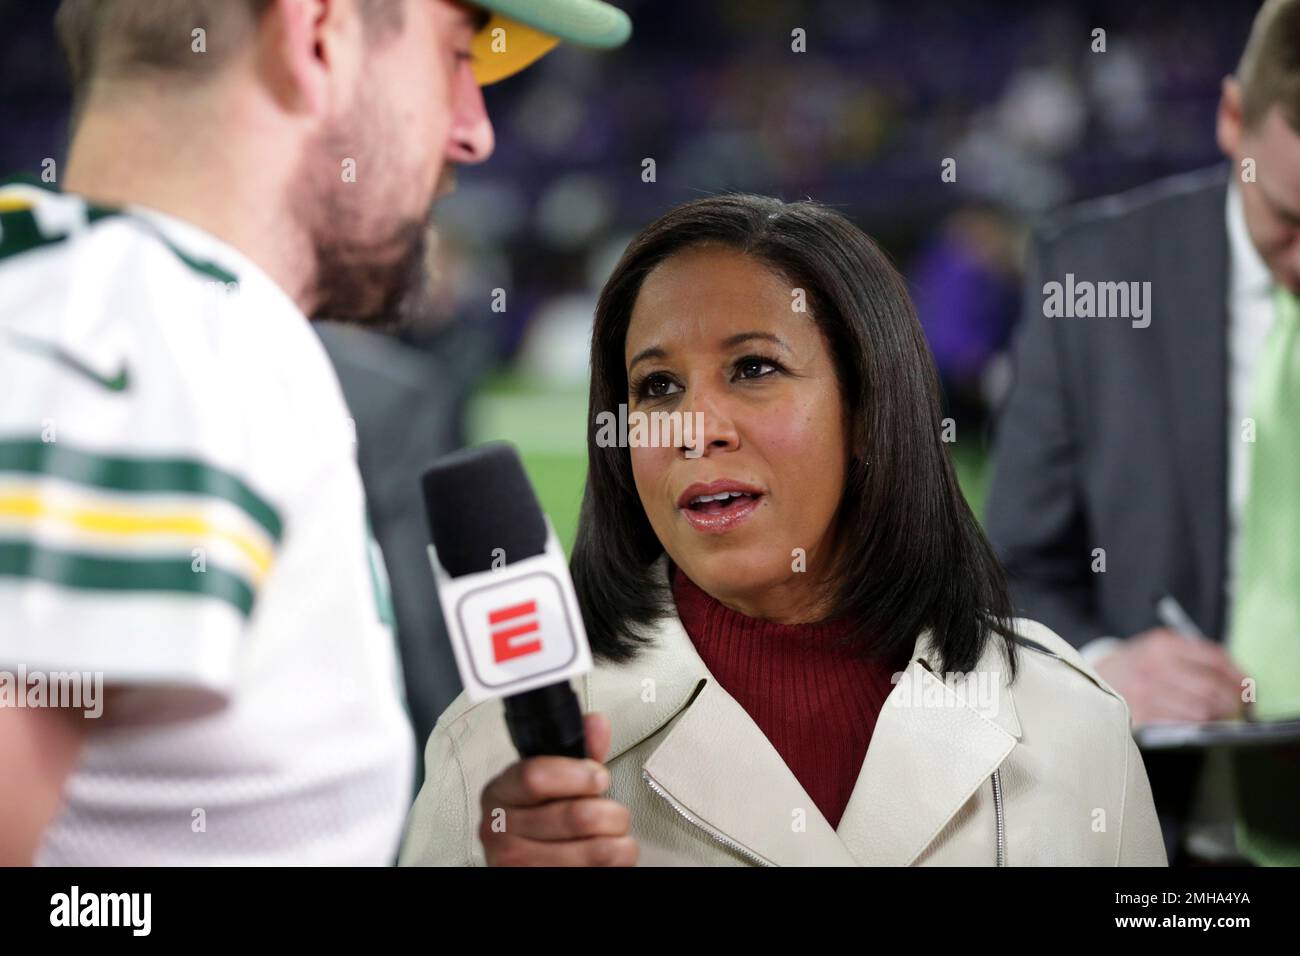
point(805, 652)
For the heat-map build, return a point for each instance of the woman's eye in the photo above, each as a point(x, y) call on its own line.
point(653, 386)
point(755, 362)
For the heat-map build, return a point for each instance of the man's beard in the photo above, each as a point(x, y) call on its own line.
point(385, 282)
point(380, 284)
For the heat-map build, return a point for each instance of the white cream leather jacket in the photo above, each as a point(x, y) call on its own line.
point(967, 772)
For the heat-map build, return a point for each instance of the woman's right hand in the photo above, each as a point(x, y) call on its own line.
point(549, 811)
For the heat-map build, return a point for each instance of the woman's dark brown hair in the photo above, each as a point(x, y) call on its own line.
point(913, 556)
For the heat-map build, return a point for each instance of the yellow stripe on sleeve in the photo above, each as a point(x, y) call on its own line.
point(123, 523)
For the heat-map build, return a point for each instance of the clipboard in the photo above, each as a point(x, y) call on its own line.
point(1217, 733)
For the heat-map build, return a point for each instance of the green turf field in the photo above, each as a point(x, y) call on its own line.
point(548, 427)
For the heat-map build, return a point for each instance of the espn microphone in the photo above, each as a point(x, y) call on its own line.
point(507, 596)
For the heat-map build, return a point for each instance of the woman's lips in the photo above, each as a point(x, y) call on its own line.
point(724, 519)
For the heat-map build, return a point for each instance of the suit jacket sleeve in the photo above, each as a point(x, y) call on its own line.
point(1035, 515)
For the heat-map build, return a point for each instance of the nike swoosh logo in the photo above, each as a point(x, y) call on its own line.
point(117, 383)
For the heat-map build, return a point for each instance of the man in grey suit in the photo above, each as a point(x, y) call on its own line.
point(1155, 342)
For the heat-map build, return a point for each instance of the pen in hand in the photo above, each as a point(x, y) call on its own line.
point(1172, 615)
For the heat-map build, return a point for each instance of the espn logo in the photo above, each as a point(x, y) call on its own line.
point(507, 624)
point(513, 629)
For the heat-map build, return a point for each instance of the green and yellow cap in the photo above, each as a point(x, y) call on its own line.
point(533, 27)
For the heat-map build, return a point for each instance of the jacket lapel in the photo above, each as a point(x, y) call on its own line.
point(719, 766)
point(933, 746)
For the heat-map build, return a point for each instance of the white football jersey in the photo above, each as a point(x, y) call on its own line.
point(181, 513)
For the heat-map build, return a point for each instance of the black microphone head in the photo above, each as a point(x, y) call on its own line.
point(478, 500)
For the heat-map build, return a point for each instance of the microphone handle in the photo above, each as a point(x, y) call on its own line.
point(546, 722)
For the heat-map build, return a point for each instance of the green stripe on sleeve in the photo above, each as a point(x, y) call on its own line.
point(145, 475)
point(23, 559)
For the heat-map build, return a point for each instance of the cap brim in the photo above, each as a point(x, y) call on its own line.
point(520, 32)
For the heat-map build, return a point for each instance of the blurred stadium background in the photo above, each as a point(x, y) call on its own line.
point(712, 92)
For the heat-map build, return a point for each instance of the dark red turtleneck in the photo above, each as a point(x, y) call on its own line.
point(816, 702)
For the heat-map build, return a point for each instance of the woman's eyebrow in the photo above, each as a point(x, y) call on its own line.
point(739, 337)
point(731, 340)
point(653, 351)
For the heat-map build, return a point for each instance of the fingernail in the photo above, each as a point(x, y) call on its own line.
point(600, 778)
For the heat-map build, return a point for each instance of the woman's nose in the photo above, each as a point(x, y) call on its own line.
point(710, 426)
